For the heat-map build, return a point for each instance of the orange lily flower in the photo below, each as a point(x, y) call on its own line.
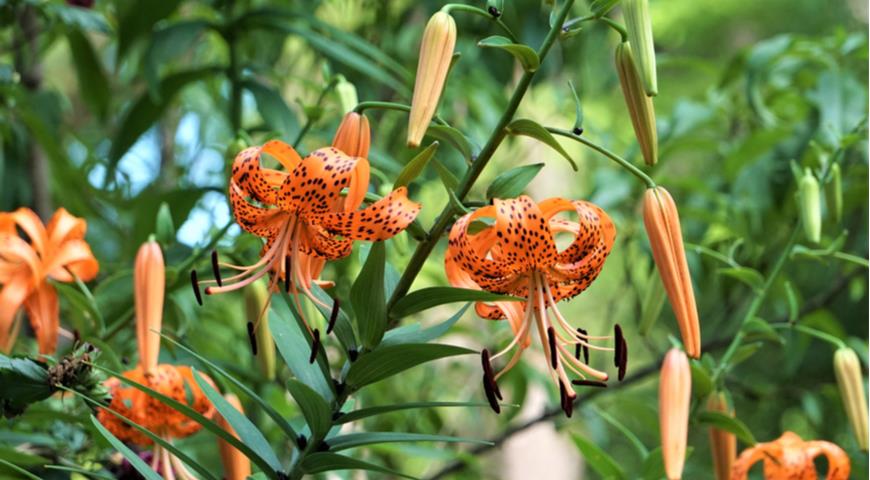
point(57, 252)
point(236, 465)
point(791, 457)
point(170, 380)
point(517, 255)
point(302, 213)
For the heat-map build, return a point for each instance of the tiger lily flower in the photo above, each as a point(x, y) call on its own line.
point(517, 255)
point(236, 465)
point(791, 457)
point(56, 252)
point(170, 380)
point(303, 214)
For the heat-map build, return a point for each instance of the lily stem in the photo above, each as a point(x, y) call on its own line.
point(607, 153)
point(836, 342)
point(459, 7)
point(444, 219)
point(401, 107)
point(314, 117)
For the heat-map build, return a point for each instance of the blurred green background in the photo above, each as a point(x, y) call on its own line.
point(113, 108)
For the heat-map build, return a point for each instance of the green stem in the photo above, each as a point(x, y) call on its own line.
point(458, 7)
point(498, 134)
point(619, 28)
point(401, 107)
point(836, 342)
point(607, 153)
point(313, 118)
point(757, 303)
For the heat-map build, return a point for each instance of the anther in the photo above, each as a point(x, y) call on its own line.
point(554, 355)
point(352, 354)
point(287, 274)
point(617, 344)
point(216, 268)
point(488, 373)
point(339, 386)
point(252, 337)
point(315, 344)
point(301, 442)
point(195, 284)
point(623, 361)
point(585, 335)
point(333, 316)
point(589, 383)
point(490, 395)
point(566, 400)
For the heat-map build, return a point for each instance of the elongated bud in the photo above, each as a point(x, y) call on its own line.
point(346, 94)
point(353, 136)
point(811, 209)
point(835, 193)
point(436, 52)
point(236, 464)
point(256, 299)
point(662, 224)
point(149, 279)
point(723, 444)
point(640, 34)
point(640, 106)
point(165, 228)
point(851, 382)
point(675, 392)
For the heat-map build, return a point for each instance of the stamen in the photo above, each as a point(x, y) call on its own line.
point(589, 383)
point(585, 346)
point(287, 277)
point(567, 401)
point(195, 284)
point(216, 268)
point(618, 342)
point(554, 355)
point(490, 395)
point(352, 354)
point(252, 337)
point(488, 373)
point(333, 316)
point(623, 361)
point(315, 345)
point(301, 442)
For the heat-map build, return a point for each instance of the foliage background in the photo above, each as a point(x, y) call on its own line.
point(112, 110)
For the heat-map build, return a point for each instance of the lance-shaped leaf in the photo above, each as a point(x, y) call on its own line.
point(415, 167)
point(344, 330)
point(415, 334)
point(426, 298)
point(600, 7)
point(578, 110)
point(598, 459)
point(294, 345)
point(454, 138)
point(316, 411)
point(93, 83)
point(327, 462)
point(128, 454)
point(273, 109)
point(167, 43)
point(513, 182)
point(526, 55)
point(135, 21)
point(380, 410)
point(389, 360)
point(352, 440)
point(728, 423)
point(531, 128)
point(368, 297)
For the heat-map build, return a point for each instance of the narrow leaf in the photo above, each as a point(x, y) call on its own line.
point(294, 345)
point(92, 79)
point(727, 423)
point(326, 462)
point(513, 182)
point(530, 128)
point(525, 54)
point(380, 410)
point(747, 275)
point(352, 440)
point(454, 138)
point(273, 109)
point(414, 333)
point(166, 44)
point(316, 411)
point(426, 298)
point(415, 167)
point(389, 360)
point(598, 459)
point(368, 297)
point(128, 454)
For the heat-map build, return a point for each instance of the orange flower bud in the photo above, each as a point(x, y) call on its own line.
point(675, 392)
point(640, 106)
point(436, 53)
point(723, 444)
point(847, 367)
point(236, 465)
point(149, 284)
point(353, 136)
point(662, 224)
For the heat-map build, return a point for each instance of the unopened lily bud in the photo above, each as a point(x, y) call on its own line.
point(149, 276)
point(851, 382)
point(675, 393)
point(723, 444)
point(811, 210)
point(436, 52)
point(236, 464)
point(165, 228)
point(346, 94)
point(353, 136)
point(256, 300)
point(835, 193)
point(662, 223)
point(640, 106)
point(640, 35)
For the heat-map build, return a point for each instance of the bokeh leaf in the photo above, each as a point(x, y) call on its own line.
point(389, 360)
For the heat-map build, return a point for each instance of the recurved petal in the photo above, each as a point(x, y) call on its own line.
point(73, 255)
point(284, 153)
point(379, 221)
point(124, 402)
point(29, 223)
point(253, 180)
point(12, 296)
point(525, 238)
point(475, 257)
point(263, 222)
point(15, 251)
point(316, 183)
point(44, 313)
point(63, 226)
point(839, 465)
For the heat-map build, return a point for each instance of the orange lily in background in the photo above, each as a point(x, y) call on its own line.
point(57, 252)
point(723, 444)
point(236, 465)
point(304, 213)
point(791, 457)
point(170, 380)
point(517, 255)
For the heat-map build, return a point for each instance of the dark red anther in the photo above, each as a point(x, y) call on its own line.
point(490, 395)
point(623, 360)
point(566, 400)
point(488, 373)
point(195, 284)
point(287, 274)
point(352, 354)
point(315, 345)
point(554, 355)
point(252, 337)
point(301, 442)
point(216, 268)
point(333, 316)
point(589, 383)
point(618, 343)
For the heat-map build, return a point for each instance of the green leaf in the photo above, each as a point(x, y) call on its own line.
point(747, 275)
point(756, 328)
point(86, 19)
point(426, 298)
point(600, 8)
point(244, 428)
point(92, 80)
point(314, 408)
point(530, 128)
point(368, 297)
point(19, 470)
point(632, 438)
point(83, 308)
point(415, 334)
point(136, 21)
point(448, 179)
point(598, 459)
point(273, 109)
point(389, 360)
point(415, 166)
point(243, 387)
point(128, 454)
point(513, 182)
point(653, 302)
point(653, 467)
point(353, 440)
point(745, 351)
point(24, 382)
point(294, 345)
point(702, 382)
point(326, 462)
point(526, 55)
point(166, 44)
point(145, 111)
point(380, 410)
point(454, 138)
point(727, 423)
